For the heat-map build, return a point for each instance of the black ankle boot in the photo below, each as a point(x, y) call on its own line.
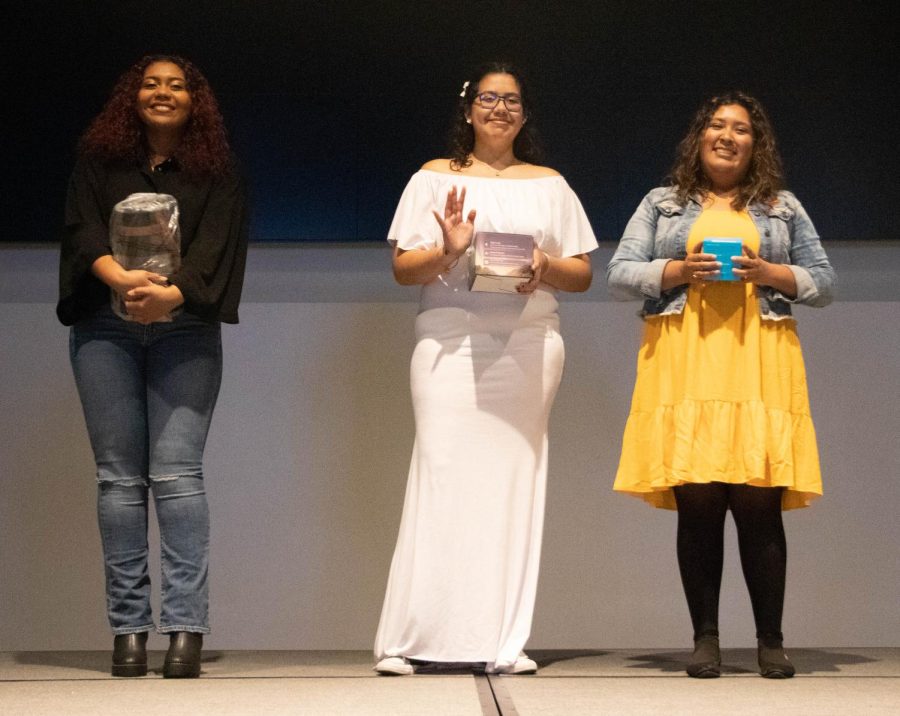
point(773, 662)
point(705, 662)
point(183, 658)
point(130, 654)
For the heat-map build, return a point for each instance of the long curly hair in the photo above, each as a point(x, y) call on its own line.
point(461, 141)
point(764, 177)
point(117, 133)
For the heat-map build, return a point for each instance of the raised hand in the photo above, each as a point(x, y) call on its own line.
point(457, 233)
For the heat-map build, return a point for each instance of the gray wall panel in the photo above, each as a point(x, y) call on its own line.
point(310, 444)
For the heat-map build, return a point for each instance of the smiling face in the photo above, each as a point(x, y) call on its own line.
point(497, 124)
point(726, 146)
point(163, 101)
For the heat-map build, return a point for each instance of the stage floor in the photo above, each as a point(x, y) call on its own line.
point(840, 681)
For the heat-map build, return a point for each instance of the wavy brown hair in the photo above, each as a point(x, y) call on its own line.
point(764, 177)
point(117, 133)
point(526, 145)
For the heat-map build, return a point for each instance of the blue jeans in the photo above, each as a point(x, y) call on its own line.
point(148, 394)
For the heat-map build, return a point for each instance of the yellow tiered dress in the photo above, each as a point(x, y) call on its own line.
point(720, 394)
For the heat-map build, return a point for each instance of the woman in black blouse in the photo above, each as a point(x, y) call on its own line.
point(148, 384)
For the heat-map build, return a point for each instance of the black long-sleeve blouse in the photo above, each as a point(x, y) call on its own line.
point(213, 215)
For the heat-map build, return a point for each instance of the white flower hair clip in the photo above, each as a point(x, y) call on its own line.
point(465, 87)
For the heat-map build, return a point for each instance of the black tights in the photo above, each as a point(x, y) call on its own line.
point(701, 525)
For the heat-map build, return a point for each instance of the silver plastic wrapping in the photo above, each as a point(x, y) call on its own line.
point(144, 234)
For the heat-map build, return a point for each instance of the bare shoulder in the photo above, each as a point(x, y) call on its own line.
point(439, 165)
point(535, 171)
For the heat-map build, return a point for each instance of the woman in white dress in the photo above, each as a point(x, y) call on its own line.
point(484, 374)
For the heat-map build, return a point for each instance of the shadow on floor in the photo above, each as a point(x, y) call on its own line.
point(743, 661)
point(448, 668)
point(543, 658)
point(546, 657)
point(98, 661)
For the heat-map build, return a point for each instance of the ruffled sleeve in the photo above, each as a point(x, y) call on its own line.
point(414, 226)
point(573, 229)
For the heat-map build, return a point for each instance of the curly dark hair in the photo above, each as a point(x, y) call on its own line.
point(764, 176)
point(462, 137)
point(117, 133)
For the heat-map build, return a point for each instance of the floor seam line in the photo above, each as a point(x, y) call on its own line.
point(505, 705)
point(486, 697)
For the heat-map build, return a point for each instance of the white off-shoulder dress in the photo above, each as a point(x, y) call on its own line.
point(484, 373)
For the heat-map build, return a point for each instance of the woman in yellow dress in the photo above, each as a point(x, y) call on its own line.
point(720, 414)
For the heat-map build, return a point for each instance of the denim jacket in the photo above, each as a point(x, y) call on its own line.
point(658, 233)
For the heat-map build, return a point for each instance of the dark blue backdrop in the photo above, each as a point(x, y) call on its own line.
point(332, 105)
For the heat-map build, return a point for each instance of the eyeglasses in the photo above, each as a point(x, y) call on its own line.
point(489, 100)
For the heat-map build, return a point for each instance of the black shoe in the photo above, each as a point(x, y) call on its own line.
point(773, 662)
point(183, 658)
point(130, 654)
point(706, 660)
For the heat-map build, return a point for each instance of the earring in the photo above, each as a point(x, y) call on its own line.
point(468, 120)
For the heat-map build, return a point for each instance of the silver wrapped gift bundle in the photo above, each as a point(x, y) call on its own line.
point(144, 234)
point(499, 262)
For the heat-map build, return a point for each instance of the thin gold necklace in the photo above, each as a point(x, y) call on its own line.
point(496, 171)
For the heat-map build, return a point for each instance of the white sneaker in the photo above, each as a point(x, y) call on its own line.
point(394, 666)
point(522, 665)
